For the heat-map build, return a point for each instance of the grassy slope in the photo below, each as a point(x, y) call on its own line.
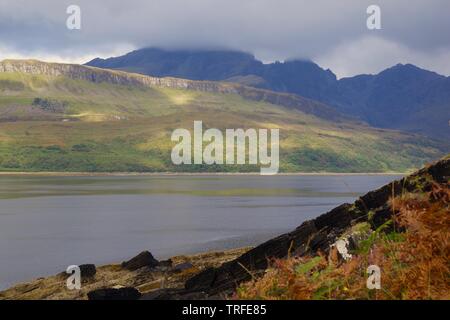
point(108, 127)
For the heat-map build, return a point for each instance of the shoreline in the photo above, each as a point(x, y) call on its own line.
point(115, 275)
point(187, 174)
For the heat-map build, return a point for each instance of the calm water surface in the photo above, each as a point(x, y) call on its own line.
point(48, 223)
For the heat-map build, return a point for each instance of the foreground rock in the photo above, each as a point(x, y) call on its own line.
point(163, 278)
point(143, 259)
point(88, 270)
point(315, 235)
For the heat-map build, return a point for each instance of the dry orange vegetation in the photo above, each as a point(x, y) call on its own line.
point(412, 251)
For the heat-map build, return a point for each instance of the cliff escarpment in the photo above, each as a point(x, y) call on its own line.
point(97, 75)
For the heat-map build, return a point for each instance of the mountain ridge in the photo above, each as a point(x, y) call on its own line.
point(403, 97)
point(95, 74)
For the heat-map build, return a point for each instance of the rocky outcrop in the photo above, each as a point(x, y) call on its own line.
point(318, 234)
point(87, 270)
point(143, 259)
point(97, 75)
point(111, 279)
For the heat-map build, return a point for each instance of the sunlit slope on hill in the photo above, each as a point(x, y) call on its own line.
point(54, 122)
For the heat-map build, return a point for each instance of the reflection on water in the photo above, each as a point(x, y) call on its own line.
point(48, 223)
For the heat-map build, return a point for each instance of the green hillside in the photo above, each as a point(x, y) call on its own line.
point(53, 122)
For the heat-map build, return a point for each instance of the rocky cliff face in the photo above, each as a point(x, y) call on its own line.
point(97, 75)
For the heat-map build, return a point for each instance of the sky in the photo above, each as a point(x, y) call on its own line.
point(331, 33)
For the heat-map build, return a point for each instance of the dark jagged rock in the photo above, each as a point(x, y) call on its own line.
point(143, 259)
point(127, 293)
point(165, 263)
point(380, 216)
point(87, 270)
point(202, 281)
point(440, 171)
point(317, 234)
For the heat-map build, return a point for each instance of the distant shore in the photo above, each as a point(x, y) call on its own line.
point(132, 174)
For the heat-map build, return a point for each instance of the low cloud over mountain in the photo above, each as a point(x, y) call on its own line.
point(332, 33)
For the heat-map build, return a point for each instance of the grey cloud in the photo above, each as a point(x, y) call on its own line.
point(271, 29)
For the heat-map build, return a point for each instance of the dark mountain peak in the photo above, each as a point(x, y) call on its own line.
point(298, 76)
point(409, 70)
point(96, 61)
point(405, 66)
point(211, 64)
